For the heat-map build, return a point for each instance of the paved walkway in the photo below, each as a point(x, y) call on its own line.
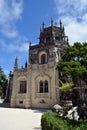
point(20, 119)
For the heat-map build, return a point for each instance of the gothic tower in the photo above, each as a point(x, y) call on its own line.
point(35, 85)
point(43, 58)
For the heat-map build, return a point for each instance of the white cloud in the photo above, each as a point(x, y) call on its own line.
point(20, 45)
point(73, 14)
point(10, 12)
point(77, 32)
point(19, 48)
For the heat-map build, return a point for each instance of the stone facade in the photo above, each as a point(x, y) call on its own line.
point(35, 85)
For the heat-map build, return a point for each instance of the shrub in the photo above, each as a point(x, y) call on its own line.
point(52, 121)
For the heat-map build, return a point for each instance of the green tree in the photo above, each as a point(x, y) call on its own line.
point(74, 61)
point(3, 82)
point(73, 67)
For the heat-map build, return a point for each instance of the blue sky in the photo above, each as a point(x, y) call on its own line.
point(20, 22)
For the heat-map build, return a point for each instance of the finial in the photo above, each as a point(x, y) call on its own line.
point(63, 30)
point(40, 29)
point(16, 64)
point(51, 22)
point(26, 64)
point(60, 24)
point(43, 26)
point(16, 60)
point(67, 40)
point(30, 43)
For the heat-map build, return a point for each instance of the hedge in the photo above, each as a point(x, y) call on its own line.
point(52, 121)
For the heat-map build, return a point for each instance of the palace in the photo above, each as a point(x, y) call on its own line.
point(35, 85)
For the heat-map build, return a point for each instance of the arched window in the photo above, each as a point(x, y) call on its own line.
point(43, 59)
point(46, 86)
point(23, 87)
point(41, 86)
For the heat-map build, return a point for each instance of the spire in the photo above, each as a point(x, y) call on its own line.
point(51, 22)
point(42, 26)
point(16, 64)
point(63, 30)
point(60, 24)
